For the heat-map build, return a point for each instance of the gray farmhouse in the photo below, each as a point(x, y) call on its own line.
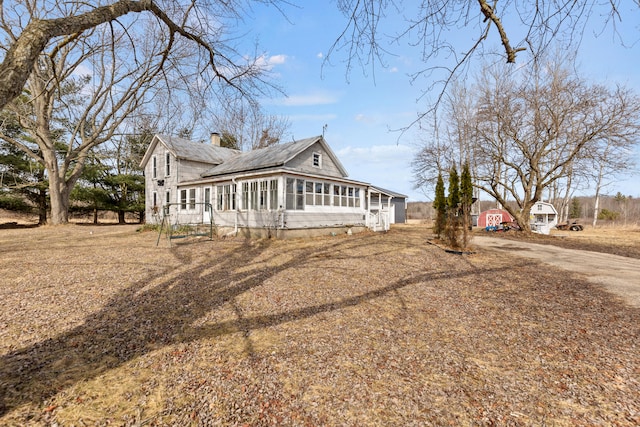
point(294, 189)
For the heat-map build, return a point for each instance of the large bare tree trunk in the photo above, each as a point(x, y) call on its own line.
point(59, 195)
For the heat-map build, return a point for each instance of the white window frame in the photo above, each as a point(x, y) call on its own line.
point(294, 193)
point(183, 199)
point(167, 164)
point(226, 197)
point(245, 196)
point(316, 159)
point(263, 203)
point(273, 194)
point(192, 198)
point(154, 167)
point(207, 198)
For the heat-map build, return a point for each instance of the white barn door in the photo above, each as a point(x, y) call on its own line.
point(493, 220)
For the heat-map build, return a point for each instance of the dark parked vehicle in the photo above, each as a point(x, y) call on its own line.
point(574, 226)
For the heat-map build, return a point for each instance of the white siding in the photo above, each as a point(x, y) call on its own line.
point(190, 170)
point(304, 162)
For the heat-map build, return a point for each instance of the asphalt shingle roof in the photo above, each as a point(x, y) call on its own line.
point(199, 152)
point(273, 156)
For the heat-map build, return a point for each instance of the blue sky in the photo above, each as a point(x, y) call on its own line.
point(359, 111)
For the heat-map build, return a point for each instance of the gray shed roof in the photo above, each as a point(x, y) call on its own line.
point(270, 157)
point(388, 192)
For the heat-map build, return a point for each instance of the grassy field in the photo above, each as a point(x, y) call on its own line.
point(98, 326)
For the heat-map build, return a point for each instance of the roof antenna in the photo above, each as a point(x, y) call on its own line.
point(324, 129)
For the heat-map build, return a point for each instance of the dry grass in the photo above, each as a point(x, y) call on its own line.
point(100, 327)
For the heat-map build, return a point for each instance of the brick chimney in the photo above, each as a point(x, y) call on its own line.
point(215, 139)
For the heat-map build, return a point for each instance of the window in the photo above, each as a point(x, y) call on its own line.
point(346, 196)
point(253, 195)
point(317, 160)
point(273, 194)
point(232, 196)
point(327, 194)
point(264, 192)
point(260, 195)
point(295, 194)
point(168, 197)
point(207, 199)
point(226, 197)
point(187, 199)
point(336, 195)
point(245, 196)
point(183, 199)
point(154, 167)
point(167, 164)
point(309, 193)
point(192, 198)
point(220, 198)
point(317, 193)
point(155, 200)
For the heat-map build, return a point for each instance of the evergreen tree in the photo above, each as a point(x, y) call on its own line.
point(22, 179)
point(440, 205)
point(576, 208)
point(466, 200)
point(453, 200)
point(453, 208)
point(113, 180)
point(90, 193)
point(228, 140)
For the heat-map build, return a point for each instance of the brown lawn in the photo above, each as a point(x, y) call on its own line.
point(98, 326)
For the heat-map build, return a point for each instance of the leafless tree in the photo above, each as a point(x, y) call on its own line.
point(433, 28)
point(249, 125)
point(86, 68)
point(526, 130)
point(447, 142)
point(603, 163)
point(534, 127)
point(30, 26)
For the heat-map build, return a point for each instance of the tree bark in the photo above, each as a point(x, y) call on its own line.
point(42, 207)
point(21, 56)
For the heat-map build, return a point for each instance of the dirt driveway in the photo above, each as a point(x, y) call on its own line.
point(618, 274)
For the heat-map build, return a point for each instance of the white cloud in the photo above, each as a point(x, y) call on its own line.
point(320, 55)
point(277, 59)
point(268, 62)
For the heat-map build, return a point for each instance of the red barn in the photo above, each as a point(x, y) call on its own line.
point(493, 218)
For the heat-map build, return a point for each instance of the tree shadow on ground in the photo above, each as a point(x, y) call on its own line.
point(144, 318)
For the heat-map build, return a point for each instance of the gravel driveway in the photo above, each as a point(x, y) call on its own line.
point(618, 274)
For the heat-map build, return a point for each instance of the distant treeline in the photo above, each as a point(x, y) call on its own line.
point(619, 208)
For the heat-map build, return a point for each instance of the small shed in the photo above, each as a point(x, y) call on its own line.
point(493, 218)
point(543, 217)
